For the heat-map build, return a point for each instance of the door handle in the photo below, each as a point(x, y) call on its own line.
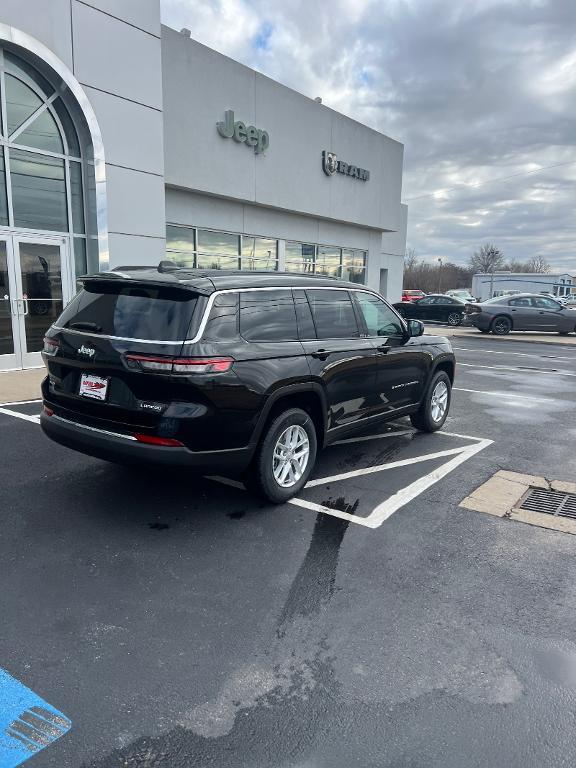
point(25, 306)
point(542, 312)
point(321, 354)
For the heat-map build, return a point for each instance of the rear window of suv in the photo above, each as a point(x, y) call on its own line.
point(146, 312)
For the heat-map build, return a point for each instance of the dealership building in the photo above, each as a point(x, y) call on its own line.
point(124, 142)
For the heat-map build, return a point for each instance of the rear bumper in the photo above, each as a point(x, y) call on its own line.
point(125, 449)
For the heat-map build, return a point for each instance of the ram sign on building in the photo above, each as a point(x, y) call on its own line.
point(125, 142)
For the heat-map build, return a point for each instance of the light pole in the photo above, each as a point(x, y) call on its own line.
point(440, 276)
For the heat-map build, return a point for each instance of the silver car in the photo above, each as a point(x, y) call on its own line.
point(521, 312)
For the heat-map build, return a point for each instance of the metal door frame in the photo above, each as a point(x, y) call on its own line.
point(21, 358)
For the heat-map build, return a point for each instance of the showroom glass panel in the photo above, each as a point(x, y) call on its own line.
point(187, 260)
point(38, 191)
point(80, 257)
point(333, 314)
point(41, 274)
point(76, 197)
point(68, 126)
point(259, 248)
point(6, 338)
point(180, 239)
point(21, 68)
point(262, 265)
point(328, 261)
point(21, 102)
point(354, 265)
point(268, 316)
point(206, 261)
point(42, 133)
point(300, 257)
point(3, 199)
point(221, 243)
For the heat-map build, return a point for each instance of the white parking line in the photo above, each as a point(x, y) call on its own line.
point(24, 416)
point(506, 394)
point(506, 352)
point(20, 402)
point(515, 368)
point(381, 467)
point(386, 508)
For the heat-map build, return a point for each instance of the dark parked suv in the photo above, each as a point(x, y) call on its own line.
point(234, 372)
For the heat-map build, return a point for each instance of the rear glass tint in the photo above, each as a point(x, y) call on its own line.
point(147, 312)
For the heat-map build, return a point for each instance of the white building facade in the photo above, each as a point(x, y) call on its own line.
point(124, 142)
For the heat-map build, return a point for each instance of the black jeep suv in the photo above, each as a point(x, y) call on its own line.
point(234, 372)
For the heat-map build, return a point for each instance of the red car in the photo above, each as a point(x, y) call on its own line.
point(412, 295)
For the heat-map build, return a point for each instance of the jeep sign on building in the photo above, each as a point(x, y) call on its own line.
point(125, 142)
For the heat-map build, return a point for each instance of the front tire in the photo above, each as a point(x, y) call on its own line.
point(435, 406)
point(285, 457)
point(501, 325)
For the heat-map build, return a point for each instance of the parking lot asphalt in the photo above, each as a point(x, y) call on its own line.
point(177, 621)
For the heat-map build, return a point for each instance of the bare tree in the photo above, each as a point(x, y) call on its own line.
point(410, 259)
point(538, 264)
point(517, 266)
point(487, 259)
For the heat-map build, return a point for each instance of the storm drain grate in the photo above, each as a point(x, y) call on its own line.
point(549, 502)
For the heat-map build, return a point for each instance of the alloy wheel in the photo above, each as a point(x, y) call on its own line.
point(454, 318)
point(290, 456)
point(439, 402)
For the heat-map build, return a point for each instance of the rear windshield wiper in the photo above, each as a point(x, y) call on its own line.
point(86, 327)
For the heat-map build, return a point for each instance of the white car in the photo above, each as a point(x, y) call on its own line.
point(461, 293)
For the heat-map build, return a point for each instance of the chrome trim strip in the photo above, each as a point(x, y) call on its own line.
point(29, 43)
point(93, 429)
point(208, 309)
point(212, 298)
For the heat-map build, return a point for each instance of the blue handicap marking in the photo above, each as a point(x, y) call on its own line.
point(28, 724)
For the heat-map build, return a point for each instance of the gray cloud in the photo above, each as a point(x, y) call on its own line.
point(475, 90)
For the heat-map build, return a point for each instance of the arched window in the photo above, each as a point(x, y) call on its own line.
point(46, 162)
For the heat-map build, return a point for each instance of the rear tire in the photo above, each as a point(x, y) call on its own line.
point(563, 333)
point(285, 457)
point(454, 318)
point(501, 325)
point(435, 406)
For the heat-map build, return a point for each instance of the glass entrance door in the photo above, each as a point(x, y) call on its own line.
point(37, 284)
point(9, 341)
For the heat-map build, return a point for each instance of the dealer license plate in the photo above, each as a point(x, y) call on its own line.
point(93, 386)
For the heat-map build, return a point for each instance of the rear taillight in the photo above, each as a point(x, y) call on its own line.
point(50, 345)
point(48, 411)
point(168, 442)
point(188, 365)
point(472, 309)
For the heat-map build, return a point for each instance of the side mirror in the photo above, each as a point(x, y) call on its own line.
point(415, 328)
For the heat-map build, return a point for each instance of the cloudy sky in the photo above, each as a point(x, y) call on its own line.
point(477, 90)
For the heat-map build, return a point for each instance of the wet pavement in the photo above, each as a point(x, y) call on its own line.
point(178, 622)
